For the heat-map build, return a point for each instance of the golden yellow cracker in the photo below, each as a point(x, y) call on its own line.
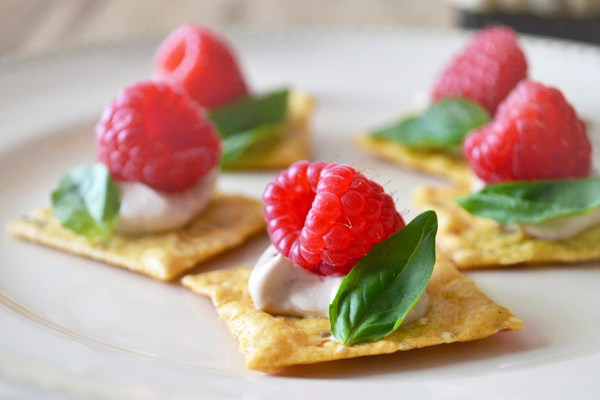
point(459, 312)
point(226, 223)
point(296, 144)
point(436, 163)
point(472, 242)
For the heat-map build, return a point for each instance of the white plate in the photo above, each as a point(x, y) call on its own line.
point(86, 329)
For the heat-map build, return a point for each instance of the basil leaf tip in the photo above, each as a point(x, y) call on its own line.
point(534, 202)
point(251, 127)
point(245, 147)
point(87, 202)
point(377, 294)
point(442, 125)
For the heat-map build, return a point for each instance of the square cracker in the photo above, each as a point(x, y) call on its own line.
point(459, 312)
point(226, 223)
point(472, 242)
point(295, 145)
point(436, 163)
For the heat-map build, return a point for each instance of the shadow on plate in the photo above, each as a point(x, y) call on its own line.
point(488, 355)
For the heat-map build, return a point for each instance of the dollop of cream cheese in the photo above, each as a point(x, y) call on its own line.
point(553, 229)
point(144, 209)
point(277, 285)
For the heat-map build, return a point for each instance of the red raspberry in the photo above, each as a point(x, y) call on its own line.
point(154, 134)
point(326, 217)
point(535, 135)
point(485, 71)
point(203, 64)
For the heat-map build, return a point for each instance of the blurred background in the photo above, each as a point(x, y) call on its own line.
point(34, 26)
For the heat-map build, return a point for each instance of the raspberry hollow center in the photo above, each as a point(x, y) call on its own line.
point(175, 57)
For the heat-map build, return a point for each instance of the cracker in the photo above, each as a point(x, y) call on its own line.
point(296, 143)
point(459, 312)
point(436, 163)
point(226, 223)
point(472, 242)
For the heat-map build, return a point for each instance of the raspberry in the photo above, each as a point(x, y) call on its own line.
point(203, 64)
point(155, 134)
point(326, 217)
point(534, 135)
point(485, 72)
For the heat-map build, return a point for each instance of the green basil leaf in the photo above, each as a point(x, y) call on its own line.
point(534, 202)
point(253, 144)
point(442, 125)
point(250, 112)
point(87, 201)
point(383, 287)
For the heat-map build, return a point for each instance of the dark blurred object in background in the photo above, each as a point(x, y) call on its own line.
point(567, 19)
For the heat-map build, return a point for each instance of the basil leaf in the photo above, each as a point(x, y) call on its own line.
point(534, 202)
point(383, 287)
point(246, 146)
point(87, 201)
point(443, 125)
point(250, 113)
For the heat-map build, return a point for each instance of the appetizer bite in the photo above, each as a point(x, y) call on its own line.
point(267, 131)
point(465, 97)
point(539, 202)
point(344, 278)
point(149, 204)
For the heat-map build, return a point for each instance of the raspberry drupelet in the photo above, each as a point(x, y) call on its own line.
point(535, 135)
point(486, 70)
point(202, 63)
point(325, 217)
point(155, 134)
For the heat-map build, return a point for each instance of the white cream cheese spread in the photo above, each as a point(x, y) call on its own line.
point(144, 209)
point(277, 285)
